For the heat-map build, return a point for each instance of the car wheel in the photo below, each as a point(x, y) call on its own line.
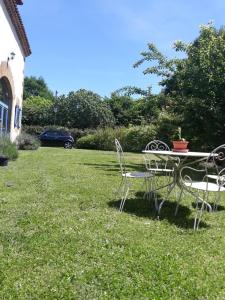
point(68, 145)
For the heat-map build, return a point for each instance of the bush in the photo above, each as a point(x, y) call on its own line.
point(26, 141)
point(132, 139)
point(7, 148)
point(87, 142)
point(102, 139)
point(137, 137)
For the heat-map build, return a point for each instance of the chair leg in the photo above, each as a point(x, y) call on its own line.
point(147, 188)
point(217, 201)
point(178, 201)
point(169, 192)
point(199, 212)
point(119, 189)
point(126, 188)
point(196, 216)
point(149, 194)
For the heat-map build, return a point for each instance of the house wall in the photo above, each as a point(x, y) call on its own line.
point(12, 69)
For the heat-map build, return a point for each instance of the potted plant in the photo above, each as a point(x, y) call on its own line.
point(3, 160)
point(8, 150)
point(179, 143)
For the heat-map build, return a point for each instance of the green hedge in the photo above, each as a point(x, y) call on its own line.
point(132, 139)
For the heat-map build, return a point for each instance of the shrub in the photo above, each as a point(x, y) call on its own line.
point(87, 142)
point(137, 137)
point(26, 141)
point(133, 139)
point(7, 148)
point(102, 139)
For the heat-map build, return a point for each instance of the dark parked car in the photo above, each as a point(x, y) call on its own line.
point(56, 138)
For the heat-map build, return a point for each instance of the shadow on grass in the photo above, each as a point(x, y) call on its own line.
point(115, 167)
point(219, 207)
point(144, 208)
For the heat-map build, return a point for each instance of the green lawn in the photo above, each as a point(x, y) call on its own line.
point(62, 236)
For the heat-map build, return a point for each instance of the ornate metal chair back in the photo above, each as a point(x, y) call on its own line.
point(157, 146)
point(120, 157)
point(216, 161)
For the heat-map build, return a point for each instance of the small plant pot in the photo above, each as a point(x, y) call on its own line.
point(4, 161)
point(180, 146)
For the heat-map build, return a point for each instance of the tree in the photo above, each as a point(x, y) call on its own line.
point(37, 111)
point(195, 82)
point(36, 87)
point(121, 107)
point(83, 109)
point(127, 110)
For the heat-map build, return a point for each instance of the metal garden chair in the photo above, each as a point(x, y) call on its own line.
point(200, 183)
point(125, 184)
point(162, 168)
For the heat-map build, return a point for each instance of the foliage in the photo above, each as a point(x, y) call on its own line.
point(88, 141)
point(83, 109)
point(196, 84)
point(36, 87)
point(7, 148)
point(129, 111)
point(27, 142)
point(133, 139)
point(121, 107)
point(137, 137)
point(102, 139)
point(59, 197)
point(37, 111)
point(132, 90)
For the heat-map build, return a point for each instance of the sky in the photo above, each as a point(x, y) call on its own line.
point(93, 44)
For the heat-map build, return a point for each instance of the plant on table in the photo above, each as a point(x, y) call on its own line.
point(179, 143)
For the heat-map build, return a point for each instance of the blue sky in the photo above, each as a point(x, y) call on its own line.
point(93, 44)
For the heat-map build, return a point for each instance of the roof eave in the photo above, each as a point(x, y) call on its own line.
point(11, 6)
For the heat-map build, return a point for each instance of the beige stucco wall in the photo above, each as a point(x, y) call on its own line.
point(12, 69)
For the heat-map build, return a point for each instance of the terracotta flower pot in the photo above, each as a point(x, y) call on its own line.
point(180, 146)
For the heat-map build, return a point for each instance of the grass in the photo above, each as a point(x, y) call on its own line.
point(62, 236)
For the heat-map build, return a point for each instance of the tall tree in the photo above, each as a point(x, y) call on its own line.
point(34, 86)
point(83, 109)
point(196, 83)
point(37, 111)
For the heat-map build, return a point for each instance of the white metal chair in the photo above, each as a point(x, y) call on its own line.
point(201, 188)
point(126, 176)
point(162, 168)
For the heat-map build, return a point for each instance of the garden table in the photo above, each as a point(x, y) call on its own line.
point(182, 160)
